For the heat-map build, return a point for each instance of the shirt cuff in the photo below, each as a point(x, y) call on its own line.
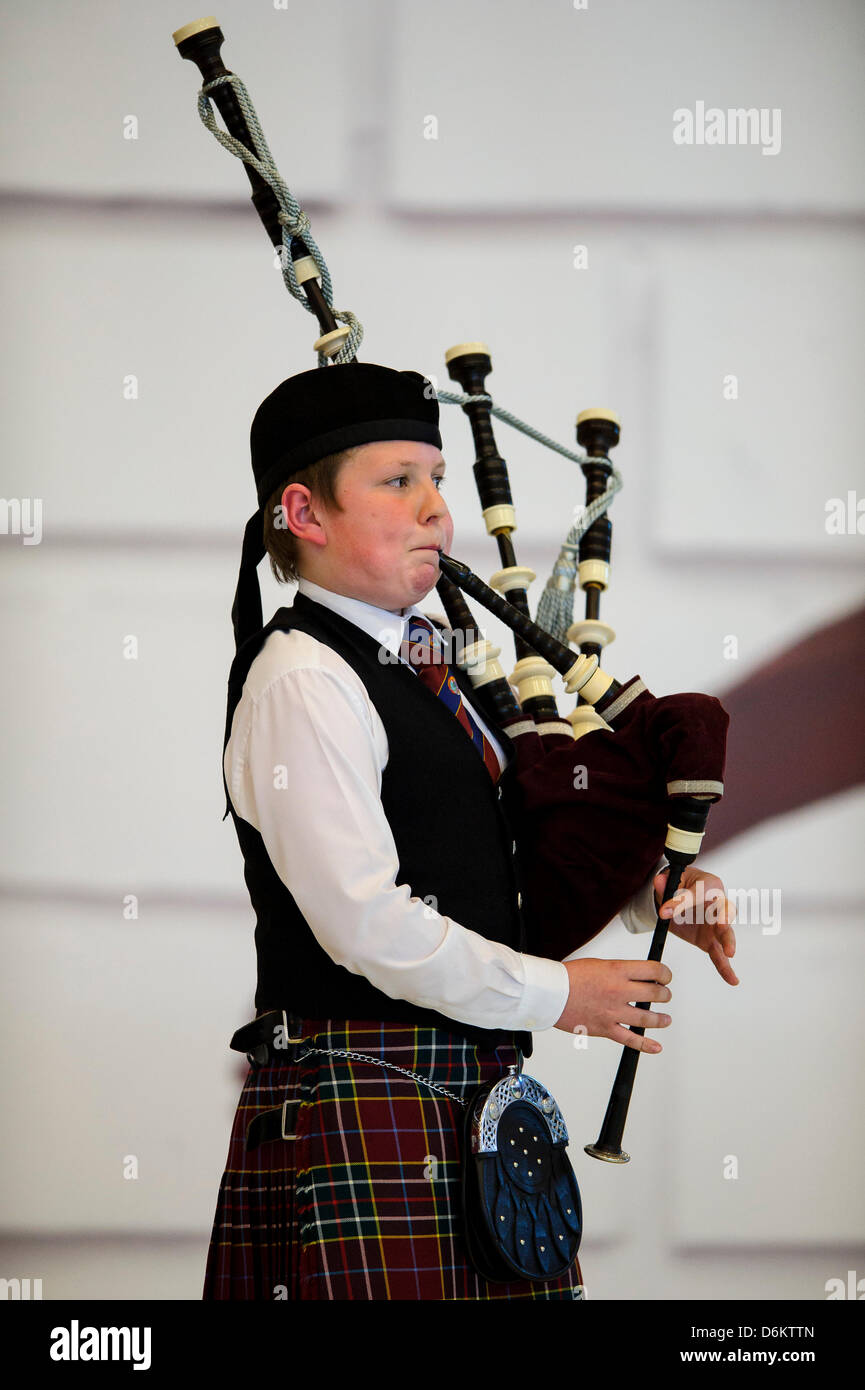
point(545, 993)
point(639, 914)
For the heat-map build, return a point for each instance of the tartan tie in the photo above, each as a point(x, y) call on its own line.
point(427, 658)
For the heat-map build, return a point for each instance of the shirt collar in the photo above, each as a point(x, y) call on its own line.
point(386, 628)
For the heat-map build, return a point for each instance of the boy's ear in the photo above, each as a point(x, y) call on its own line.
point(301, 510)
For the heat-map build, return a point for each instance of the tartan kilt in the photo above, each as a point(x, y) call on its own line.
point(364, 1201)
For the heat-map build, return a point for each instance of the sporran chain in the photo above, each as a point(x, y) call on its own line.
point(380, 1062)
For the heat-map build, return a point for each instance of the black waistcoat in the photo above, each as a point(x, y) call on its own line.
point(450, 822)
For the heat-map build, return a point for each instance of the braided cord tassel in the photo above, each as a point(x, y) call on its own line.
point(292, 218)
point(556, 607)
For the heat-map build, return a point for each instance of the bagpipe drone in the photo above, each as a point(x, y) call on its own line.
point(626, 778)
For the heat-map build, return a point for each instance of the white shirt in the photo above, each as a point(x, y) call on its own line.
point(304, 767)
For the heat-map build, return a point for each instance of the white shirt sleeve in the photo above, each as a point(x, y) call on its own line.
point(639, 914)
point(303, 766)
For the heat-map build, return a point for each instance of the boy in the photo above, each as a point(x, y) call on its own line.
point(380, 861)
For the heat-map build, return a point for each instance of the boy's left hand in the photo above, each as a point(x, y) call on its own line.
point(713, 932)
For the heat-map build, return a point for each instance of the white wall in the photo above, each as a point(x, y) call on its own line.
point(121, 256)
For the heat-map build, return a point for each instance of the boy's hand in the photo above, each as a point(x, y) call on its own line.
point(709, 927)
point(599, 1001)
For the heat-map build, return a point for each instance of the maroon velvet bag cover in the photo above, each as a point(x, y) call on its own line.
point(593, 812)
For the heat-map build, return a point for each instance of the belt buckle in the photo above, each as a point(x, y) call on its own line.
point(285, 1105)
point(281, 1051)
point(288, 1037)
point(266, 1052)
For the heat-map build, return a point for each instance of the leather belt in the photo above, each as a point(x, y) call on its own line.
point(272, 1124)
point(276, 1036)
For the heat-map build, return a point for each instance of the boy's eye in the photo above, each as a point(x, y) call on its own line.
point(438, 479)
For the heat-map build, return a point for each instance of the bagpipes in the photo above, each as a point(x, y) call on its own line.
point(627, 777)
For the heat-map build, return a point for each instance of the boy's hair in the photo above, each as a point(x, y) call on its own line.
point(281, 543)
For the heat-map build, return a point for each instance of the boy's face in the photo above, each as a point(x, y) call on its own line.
point(381, 547)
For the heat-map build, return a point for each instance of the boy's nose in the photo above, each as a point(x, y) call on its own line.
point(433, 503)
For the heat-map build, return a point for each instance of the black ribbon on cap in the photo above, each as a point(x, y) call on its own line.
point(246, 616)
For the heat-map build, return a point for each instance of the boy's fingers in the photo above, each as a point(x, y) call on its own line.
point(676, 904)
point(654, 970)
point(721, 963)
point(644, 1018)
point(634, 1040)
